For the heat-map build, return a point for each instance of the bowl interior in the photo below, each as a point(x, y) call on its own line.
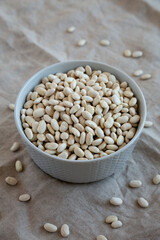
point(64, 67)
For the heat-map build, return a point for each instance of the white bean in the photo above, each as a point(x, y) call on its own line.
point(53, 102)
point(41, 137)
point(135, 183)
point(116, 100)
point(41, 127)
point(105, 42)
point(101, 237)
point(64, 126)
point(51, 146)
point(99, 132)
point(64, 154)
point(28, 104)
point(87, 115)
point(133, 102)
point(65, 230)
point(39, 112)
point(146, 76)
point(15, 147)
point(50, 227)
point(109, 122)
point(87, 98)
point(81, 43)
point(127, 53)
point(28, 133)
point(97, 142)
point(74, 109)
point(112, 147)
point(50, 137)
point(54, 124)
point(18, 166)
point(71, 29)
point(156, 179)
point(74, 118)
point(148, 124)
point(104, 104)
point(116, 224)
point(138, 73)
point(75, 132)
point(88, 70)
point(59, 108)
point(90, 109)
point(142, 202)
point(88, 154)
point(79, 152)
point(82, 138)
point(72, 157)
point(11, 181)
point(120, 140)
point(126, 126)
point(11, 106)
point(135, 119)
point(128, 94)
point(111, 218)
point(64, 136)
point(93, 149)
point(122, 119)
point(67, 104)
point(24, 197)
point(91, 124)
point(61, 147)
point(137, 54)
point(116, 201)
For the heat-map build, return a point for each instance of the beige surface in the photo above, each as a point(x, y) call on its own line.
point(32, 36)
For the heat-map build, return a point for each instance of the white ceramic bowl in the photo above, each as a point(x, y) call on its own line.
point(81, 171)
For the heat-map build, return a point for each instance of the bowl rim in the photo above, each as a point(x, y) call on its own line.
point(81, 62)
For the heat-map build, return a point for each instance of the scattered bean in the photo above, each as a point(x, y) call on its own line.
point(81, 43)
point(116, 201)
point(137, 54)
point(18, 166)
point(143, 202)
point(138, 73)
point(101, 237)
point(24, 197)
point(11, 181)
point(71, 29)
point(11, 106)
point(135, 183)
point(148, 124)
point(156, 179)
point(65, 230)
point(50, 227)
point(127, 53)
point(111, 218)
point(116, 224)
point(15, 147)
point(146, 76)
point(104, 42)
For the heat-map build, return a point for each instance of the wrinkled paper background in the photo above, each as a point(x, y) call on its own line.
point(32, 36)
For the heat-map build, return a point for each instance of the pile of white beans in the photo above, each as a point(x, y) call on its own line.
point(79, 115)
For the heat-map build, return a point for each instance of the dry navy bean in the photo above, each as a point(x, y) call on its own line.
point(50, 227)
point(11, 181)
